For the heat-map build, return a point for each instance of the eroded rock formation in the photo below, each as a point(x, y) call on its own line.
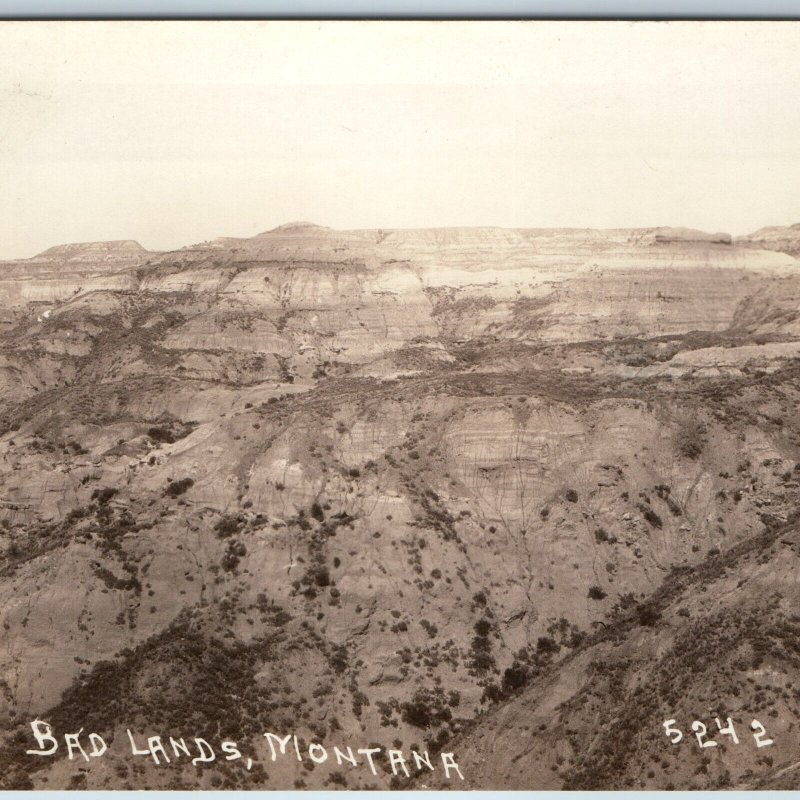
point(384, 485)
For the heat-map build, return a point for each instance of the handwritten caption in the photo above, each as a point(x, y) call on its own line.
point(702, 735)
point(165, 750)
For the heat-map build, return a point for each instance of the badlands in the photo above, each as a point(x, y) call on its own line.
point(519, 496)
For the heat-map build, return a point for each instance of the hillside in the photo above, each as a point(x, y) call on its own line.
point(785, 239)
point(716, 642)
point(521, 495)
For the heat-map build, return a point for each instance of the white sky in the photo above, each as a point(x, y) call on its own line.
point(172, 133)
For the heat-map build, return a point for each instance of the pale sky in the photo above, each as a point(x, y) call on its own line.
point(171, 133)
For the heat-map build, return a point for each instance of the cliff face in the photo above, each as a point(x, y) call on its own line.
point(384, 480)
point(356, 294)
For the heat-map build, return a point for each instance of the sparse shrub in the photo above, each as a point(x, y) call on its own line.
point(481, 658)
point(596, 593)
point(233, 554)
point(690, 438)
point(177, 488)
point(479, 598)
point(428, 708)
point(103, 495)
point(430, 628)
point(338, 779)
point(228, 525)
point(648, 615)
point(546, 644)
point(652, 518)
point(322, 576)
point(602, 535)
point(515, 678)
point(161, 435)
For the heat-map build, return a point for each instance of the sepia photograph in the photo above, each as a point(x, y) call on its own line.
point(399, 405)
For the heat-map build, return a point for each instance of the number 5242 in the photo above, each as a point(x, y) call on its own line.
point(700, 731)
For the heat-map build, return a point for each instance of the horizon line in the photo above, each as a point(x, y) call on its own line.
point(313, 225)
